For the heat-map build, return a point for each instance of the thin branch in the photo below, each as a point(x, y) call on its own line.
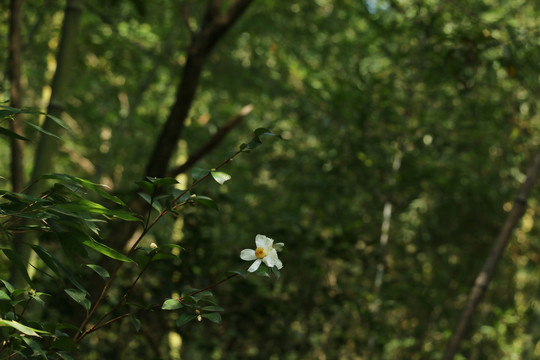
point(201, 45)
point(157, 306)
point(80, 333)
point(212, 143)
point(486, 274)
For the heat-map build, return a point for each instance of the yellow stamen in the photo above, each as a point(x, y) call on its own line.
point(260, 253)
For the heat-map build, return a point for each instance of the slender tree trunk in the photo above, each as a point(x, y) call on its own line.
point(14, 65)
point(47, 147)
point(486, 274)
point(383, 242)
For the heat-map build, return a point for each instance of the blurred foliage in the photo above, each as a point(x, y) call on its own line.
point(450, 87)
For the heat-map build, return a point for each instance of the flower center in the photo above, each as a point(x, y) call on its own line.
point(260, 253)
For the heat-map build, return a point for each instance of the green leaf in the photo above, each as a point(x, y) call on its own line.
point(184, 319)
point(4, 296)
point(205, 201)
point(64, 356)
point(145, 197)
point(16, 260)
point(142, 260)
point(171, 304)
point(73, 180)
point(189, 291)
point(221, 177)
point(47, 258)
point(198, 173)
point(34, 345)
point(212, 308)
point(11, 134)
point(255, 142)
point(87, 206)
point(40, 129)
point(162, 181)
point(105, 250)
point(136, 323)
point(100, 271)
point(263, 270)
point(164, 256)
point(56, 120)
point(261, 131)
point(8, 286)
point(242, 273)
point(276, 272)
point(214, 317)
point(22, 328)
point(79, 297)
point(64, 343)
point(205, 293)
point(145, 186)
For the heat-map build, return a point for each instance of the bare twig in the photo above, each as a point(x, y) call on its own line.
point(212, 143)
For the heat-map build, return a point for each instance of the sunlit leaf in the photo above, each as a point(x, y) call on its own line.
point(171, 304)
point(4, 296)
point(22, 328)
point(220, 177)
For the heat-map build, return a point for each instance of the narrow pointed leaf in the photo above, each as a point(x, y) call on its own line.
point(100, 271)
point(79, 297)
point(11, 134)
point(105, 250)
point(16, 260)
point(41, 130)
point(20, 327)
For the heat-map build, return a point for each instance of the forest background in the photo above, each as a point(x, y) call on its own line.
point(407, 129)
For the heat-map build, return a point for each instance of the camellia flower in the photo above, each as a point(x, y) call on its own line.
point(266, 252)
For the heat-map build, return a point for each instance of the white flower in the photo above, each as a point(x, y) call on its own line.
point(266, 252)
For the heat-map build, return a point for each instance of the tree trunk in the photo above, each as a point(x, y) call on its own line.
point(14, 71)
point(47, 147)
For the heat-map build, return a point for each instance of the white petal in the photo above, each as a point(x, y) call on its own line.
point(271, 259)
point(255, 265)
point(279, 264)
point(248, 255)
point(263, 241)
point(279, 246)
